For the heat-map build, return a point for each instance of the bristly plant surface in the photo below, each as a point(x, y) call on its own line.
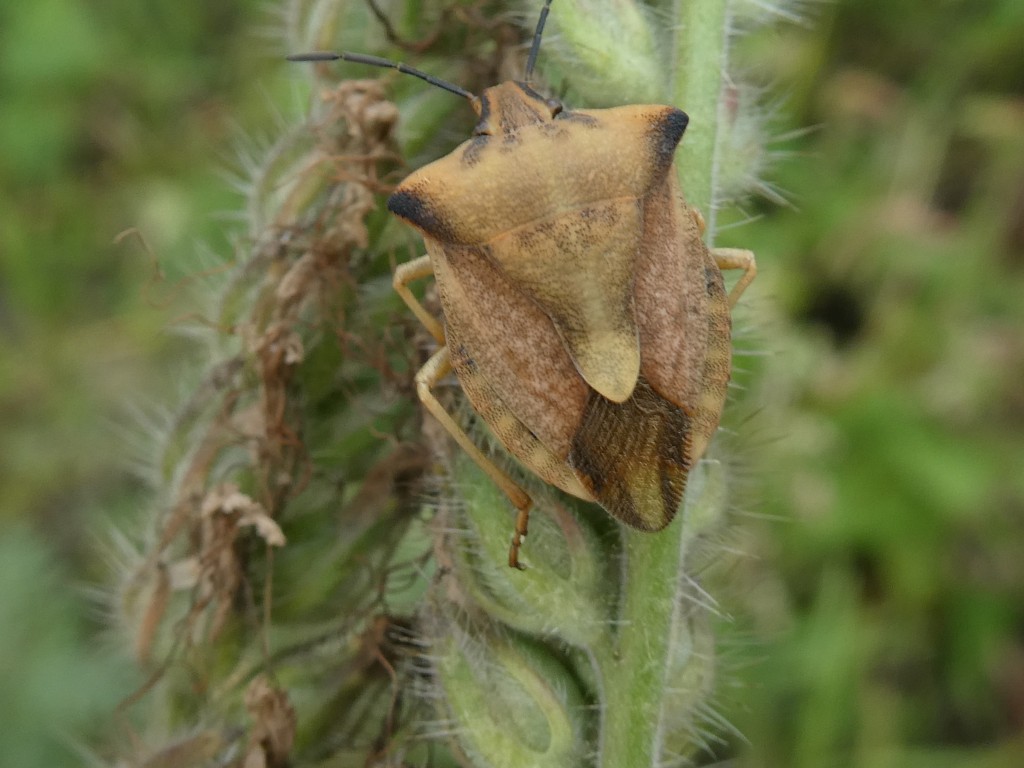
point(322, 582)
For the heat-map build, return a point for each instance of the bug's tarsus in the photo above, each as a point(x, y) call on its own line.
point(522, 522)
point(531, 61)
point(376, 61)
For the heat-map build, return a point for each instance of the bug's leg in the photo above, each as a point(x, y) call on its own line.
point(736, 258)
point(522, 522)
point(698, 218)
point(405, 274)
point(436, 368)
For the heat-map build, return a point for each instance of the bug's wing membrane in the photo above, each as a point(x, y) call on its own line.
point(578, 266)
point(634, 456)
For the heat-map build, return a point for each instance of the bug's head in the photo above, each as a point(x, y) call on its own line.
point(506, 107)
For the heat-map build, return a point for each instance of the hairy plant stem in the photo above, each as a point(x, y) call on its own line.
point(699, 47)
point(636, 662)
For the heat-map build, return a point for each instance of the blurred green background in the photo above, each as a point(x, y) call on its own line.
point(879, 594)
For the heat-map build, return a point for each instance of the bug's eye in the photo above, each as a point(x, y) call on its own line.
point(555, 106)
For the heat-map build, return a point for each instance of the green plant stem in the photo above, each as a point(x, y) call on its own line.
point(699, 52)
point(635, 665)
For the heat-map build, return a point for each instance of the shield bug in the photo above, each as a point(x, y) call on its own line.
point(584, 317)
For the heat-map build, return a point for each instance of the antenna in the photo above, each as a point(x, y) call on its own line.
point(374, 61)
point(535, 48)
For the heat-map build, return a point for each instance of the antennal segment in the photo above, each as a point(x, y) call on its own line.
point(535, 48)
point(374, 61)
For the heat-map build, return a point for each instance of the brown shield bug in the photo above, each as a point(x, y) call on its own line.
point(584, 317)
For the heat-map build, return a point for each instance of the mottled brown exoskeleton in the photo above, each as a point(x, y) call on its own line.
point(584, 317)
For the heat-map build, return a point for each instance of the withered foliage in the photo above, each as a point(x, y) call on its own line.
point(311, 328)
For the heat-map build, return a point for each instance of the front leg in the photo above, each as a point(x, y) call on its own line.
point(736, 258)
point(405, 274)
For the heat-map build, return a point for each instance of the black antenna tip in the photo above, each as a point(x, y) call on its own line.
point(531, 60)
point(314, 56)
